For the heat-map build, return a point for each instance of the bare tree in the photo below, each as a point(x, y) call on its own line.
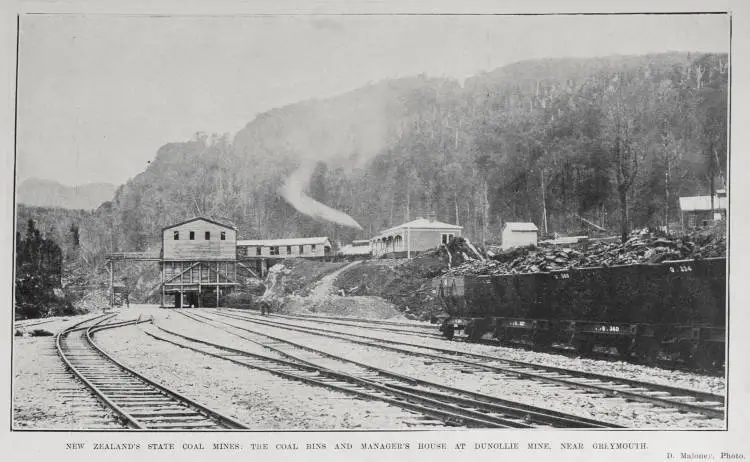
point(622, 128)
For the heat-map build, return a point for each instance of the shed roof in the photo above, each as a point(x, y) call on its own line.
point(209, 220)
point(280, 242)
point(521, 226)
point(702, 203)
point(421, 223)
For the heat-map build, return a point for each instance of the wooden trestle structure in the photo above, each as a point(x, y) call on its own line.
point(198, 262)
point(113, 258)
point(194, 278)
point(181, 278)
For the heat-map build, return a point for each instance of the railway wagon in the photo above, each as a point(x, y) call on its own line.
point(673, 308)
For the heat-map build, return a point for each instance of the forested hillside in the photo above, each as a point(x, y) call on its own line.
point(599, 138)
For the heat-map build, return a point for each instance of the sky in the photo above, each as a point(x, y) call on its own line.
point(98, 95)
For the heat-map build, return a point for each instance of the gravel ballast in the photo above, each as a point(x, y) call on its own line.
point(634, 415)
point(259, 399)
point(46, 396)
point(621, 369)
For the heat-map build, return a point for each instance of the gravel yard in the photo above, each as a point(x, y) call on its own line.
point(46, 396)
point(52, 324)
point(559, 398)
point(260, 399)
point(614, 368)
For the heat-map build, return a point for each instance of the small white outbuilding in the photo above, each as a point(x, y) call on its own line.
point(516, 234)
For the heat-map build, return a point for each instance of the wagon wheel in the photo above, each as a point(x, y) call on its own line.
point(707, 357)
point(584, 347)
point(475, 334)
point(449, 331)
point(649, 351)
point(624, 348)
point(541, 342)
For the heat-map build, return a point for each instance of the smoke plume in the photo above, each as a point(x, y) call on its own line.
point(293, 191)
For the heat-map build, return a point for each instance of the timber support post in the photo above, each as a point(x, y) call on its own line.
point(163, 295)
point(111, 283)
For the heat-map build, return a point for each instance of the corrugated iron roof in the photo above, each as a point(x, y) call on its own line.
point(521, 226)
point(281, 242)
point(421, 223)
point(702, 203)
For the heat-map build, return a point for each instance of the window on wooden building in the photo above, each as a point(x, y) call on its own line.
point(223, 236)
point(176, 235)
point(301, 249)
point(446, 237)
point(312, 247)
point(258, 250)
point(274, 250)
point(208, 235)
point(192, 235)
point(289, 250)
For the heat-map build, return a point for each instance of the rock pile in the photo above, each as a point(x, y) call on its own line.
point(642, 247)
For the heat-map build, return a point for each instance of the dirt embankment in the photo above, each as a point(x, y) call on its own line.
point(407, 284)
point(302, 287)
point(297, 277)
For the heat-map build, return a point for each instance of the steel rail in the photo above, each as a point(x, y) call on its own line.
point(374, 327)
point(104, 395)
point(709, 411)
point(405, 383)
point(452, 417)
point(69, 364)
point(227, 422)
point(323, 318)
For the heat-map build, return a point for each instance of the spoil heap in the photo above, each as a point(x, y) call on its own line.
point(407, 284)
point(642, 247)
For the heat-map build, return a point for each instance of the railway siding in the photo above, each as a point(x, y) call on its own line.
point(259, 399)
point(591, 404)
point(621, 369)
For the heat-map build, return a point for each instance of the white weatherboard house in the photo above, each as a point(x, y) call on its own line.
point(415, 236)
point(519, 234)
point(696, 210)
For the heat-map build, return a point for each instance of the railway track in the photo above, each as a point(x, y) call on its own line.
point(405, 329)
point(700, 403)
point(26, 325)
point(430, 332)
point(451, 406)
point(78, 408)
point(138, 402)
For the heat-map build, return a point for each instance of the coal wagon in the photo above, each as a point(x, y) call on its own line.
point(675, 308)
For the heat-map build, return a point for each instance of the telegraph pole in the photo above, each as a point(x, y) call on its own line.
point(544, 204)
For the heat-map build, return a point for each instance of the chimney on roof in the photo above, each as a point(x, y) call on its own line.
point(432, 216)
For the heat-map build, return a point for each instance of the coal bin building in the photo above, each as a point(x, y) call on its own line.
point(198, 262)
